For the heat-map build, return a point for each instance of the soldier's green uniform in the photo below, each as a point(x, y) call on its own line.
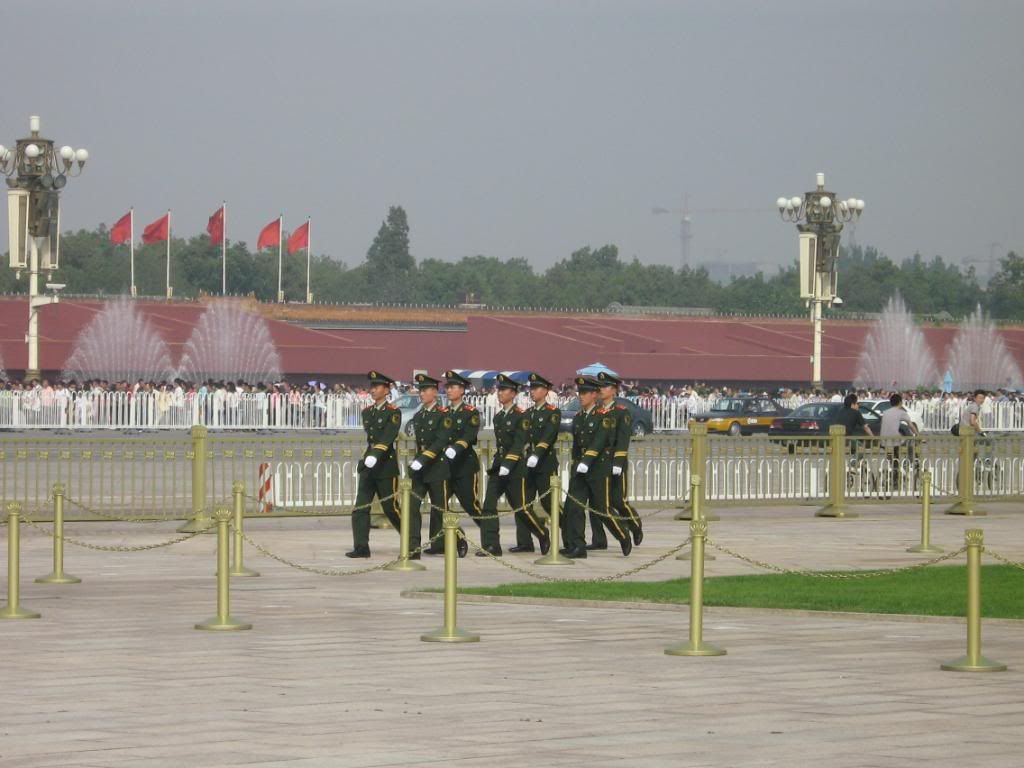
point(545, 420)
point(465, 467)
point(507, 473)
point(593, 440)
point(432, 428)
point(618, 500)
point(382, 423)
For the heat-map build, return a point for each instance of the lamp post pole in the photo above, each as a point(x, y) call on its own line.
point(819, 218)
point(36, 173)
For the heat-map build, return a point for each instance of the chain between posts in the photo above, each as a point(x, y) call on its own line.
point(545, 577)
point(333, 571)
point(435, 508)
point(115, 547)
point(331, 512)
point(588, 508)
point(120, 518)
point(1003, 560)
point(833, 574)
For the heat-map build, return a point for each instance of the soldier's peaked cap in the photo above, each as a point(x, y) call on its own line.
point(454, 377)
point(422, 380)
point(376, 377)
point(536, 380)
point(504, 382)
point(587, 384)
point(608, 379)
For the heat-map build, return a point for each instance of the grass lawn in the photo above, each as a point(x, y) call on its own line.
point(936, 591)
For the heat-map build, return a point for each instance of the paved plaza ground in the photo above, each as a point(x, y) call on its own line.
point(334, 673)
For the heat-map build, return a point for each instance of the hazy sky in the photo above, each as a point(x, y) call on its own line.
point(525, 128)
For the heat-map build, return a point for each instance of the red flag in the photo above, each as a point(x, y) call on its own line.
point(269, 235)
point(121, 232)
point(158, 230)
point(299, 238)
point(215, 227)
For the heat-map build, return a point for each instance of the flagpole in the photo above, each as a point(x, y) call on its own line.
point(309, 296)
point(169, 289)
point(224, 248)
point(280, 237)
point(131, 247)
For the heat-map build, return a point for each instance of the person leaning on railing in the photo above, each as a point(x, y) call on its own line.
point(897, 424)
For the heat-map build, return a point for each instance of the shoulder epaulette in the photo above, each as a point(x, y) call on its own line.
point(441, 409)
point(517, 409)
point(550, 407)
point(620, 407)
point(601, 410)
point(468, 408)
point(391, 407)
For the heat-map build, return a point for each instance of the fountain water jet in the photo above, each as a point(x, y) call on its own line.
point(978, 357)
point(119, 344)
point(230, 343)
point(896, 354)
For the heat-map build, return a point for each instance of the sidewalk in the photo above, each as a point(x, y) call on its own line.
point(334, 674)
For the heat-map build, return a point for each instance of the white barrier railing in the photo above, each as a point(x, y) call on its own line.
point(64, 409)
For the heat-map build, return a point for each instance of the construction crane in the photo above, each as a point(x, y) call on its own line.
point(686, 223)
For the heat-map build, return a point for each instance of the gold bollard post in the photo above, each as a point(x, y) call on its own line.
point(13, 609)
point(57, 576)
point(223, 620)
point(405, 510)
point(926, 517)
point(836, 506)
point(697, 509)
point(237, 567)
point(554, 557)
point(450, 633)
point(696, 646)
point(964, 504)
point(973, 661)
point(199, 521)
point(698, 464)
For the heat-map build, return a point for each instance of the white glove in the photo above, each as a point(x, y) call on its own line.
point(449, 452)
point(502, 471)
point(532, 462)
point(370, 462)
point(616, 471)
point(582, 468)
point(416, 465)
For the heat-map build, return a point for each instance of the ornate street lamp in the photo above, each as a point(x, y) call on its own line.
point(36, 172)
point(819, 218)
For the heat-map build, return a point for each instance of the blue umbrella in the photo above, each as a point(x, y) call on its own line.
point(595, 368)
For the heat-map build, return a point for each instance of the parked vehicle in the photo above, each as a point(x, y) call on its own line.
point(816, 418)
point(740, 415)
point(643, 420)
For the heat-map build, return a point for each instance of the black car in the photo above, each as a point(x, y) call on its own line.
point(816, 418)
point(643, 420)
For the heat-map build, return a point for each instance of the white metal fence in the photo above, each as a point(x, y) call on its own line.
point(63, 409)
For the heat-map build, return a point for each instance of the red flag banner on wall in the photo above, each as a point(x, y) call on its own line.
point(121, 232)
point(215, 227)
point(158, 230)
point(269, 235)
point(299, 238)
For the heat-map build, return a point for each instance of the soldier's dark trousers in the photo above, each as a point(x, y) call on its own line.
point(464, 489)
point(371, 488)
point(619, 502)
point(514, 490)
point(605, 515)
point(537, 484)
point(437, 493)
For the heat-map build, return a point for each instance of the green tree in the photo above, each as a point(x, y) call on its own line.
point(1006, 289)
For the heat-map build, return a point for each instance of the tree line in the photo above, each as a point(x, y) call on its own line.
point(589, 278)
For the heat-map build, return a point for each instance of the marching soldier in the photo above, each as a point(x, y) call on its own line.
point(618, 499)
point(507, 472)
point(378, 467)
point(429, 471)
point(542, 463)
point(465, 465)
point(593, 441)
